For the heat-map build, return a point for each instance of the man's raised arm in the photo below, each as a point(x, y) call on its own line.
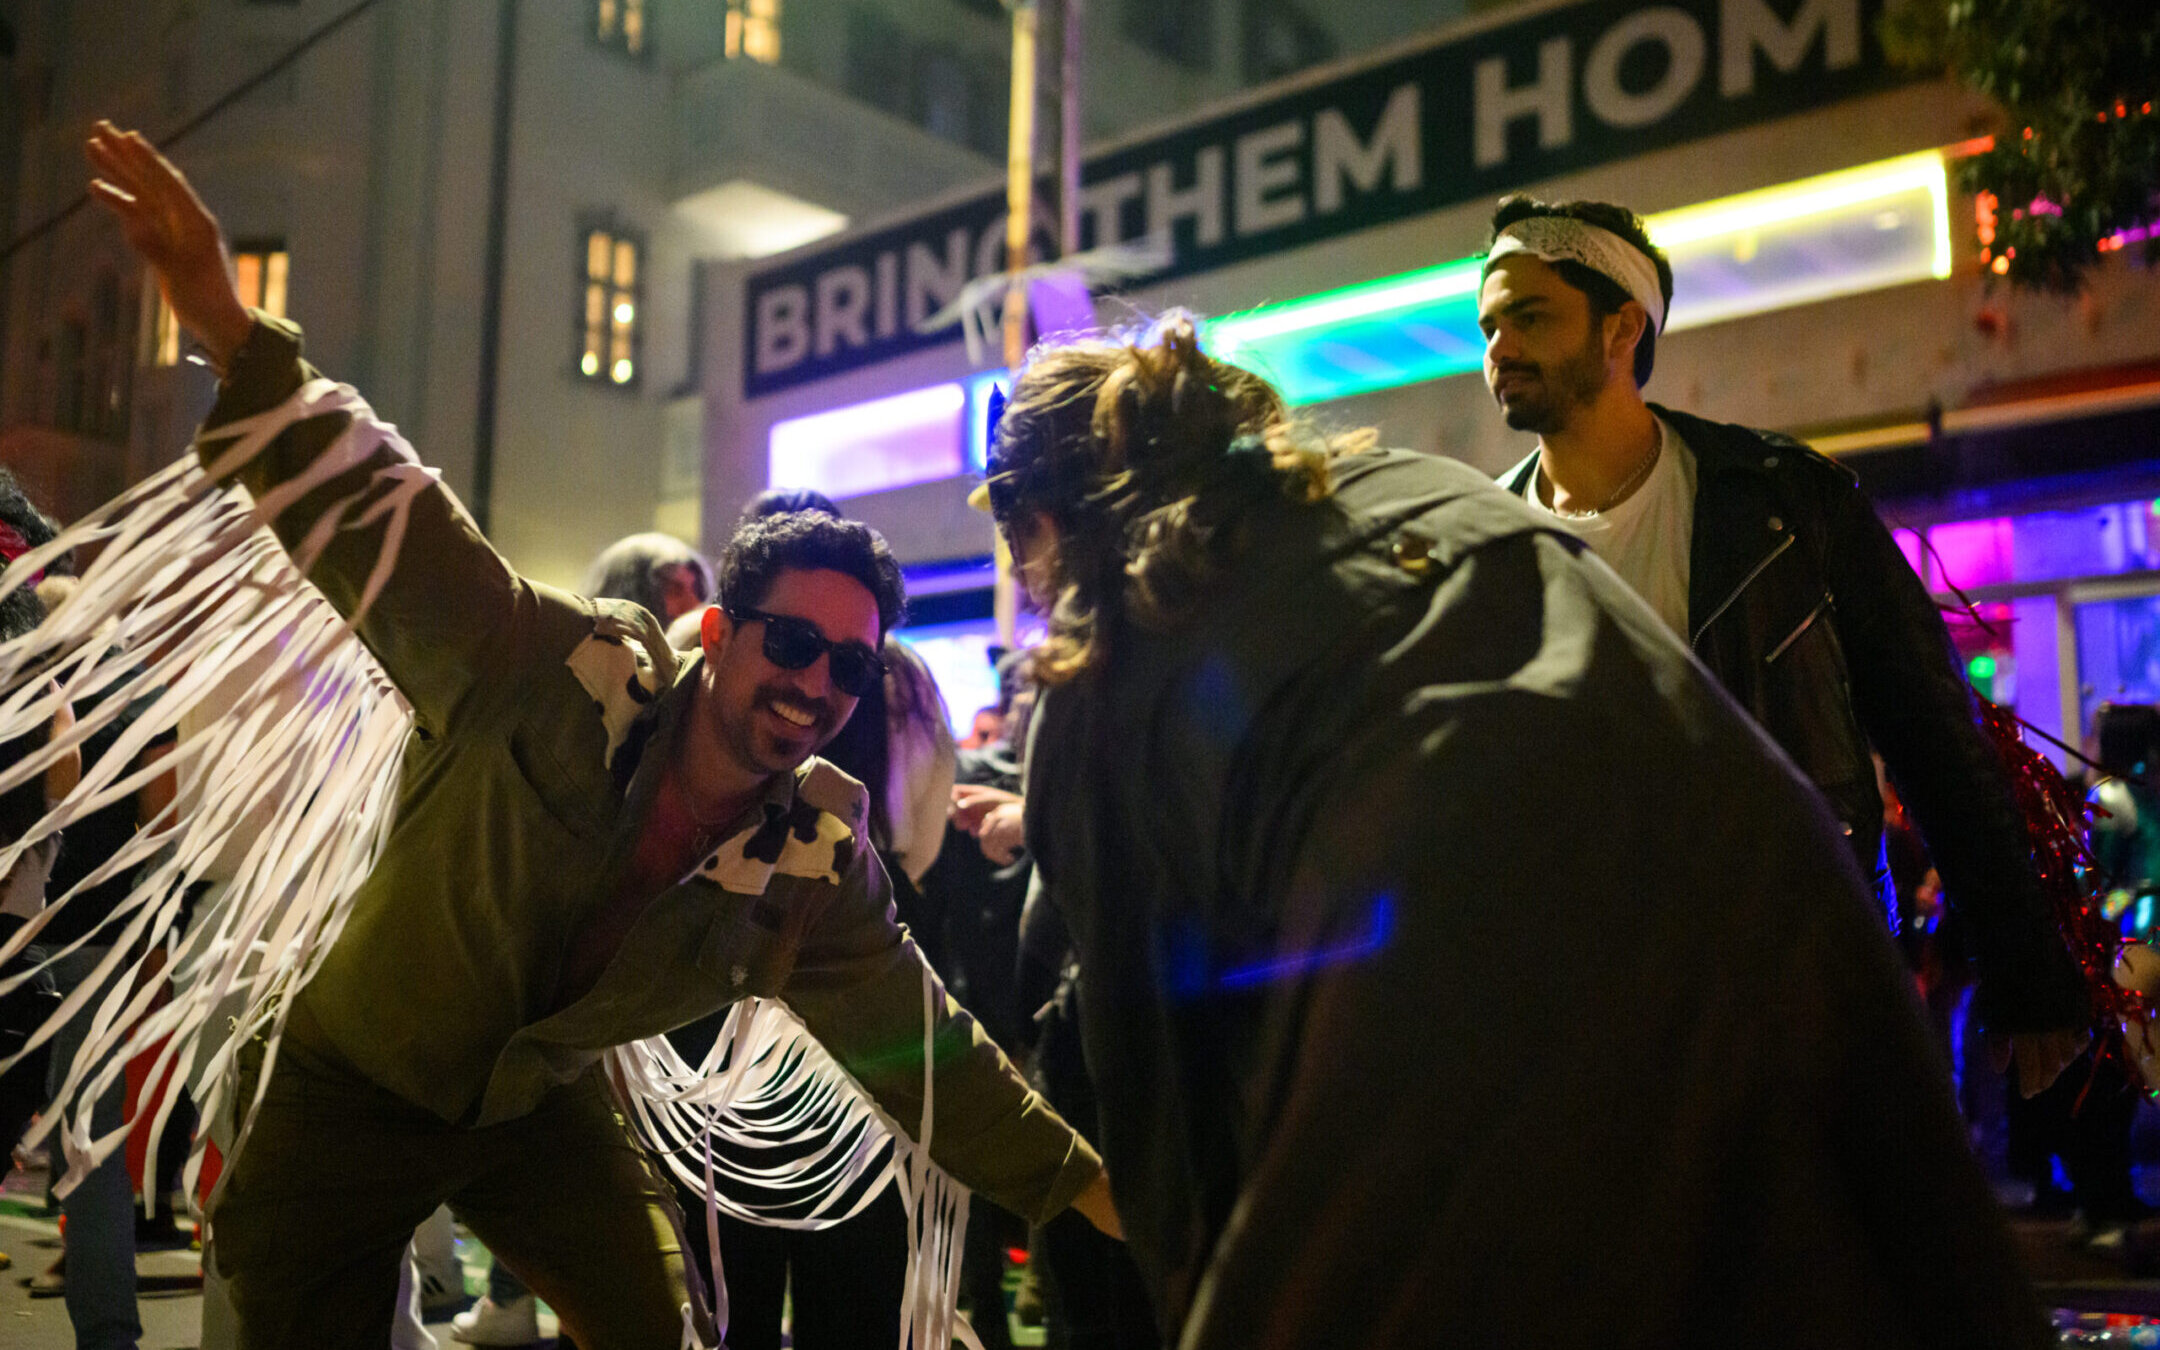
point(376, 531)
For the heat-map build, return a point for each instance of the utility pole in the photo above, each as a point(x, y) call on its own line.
point(1019, 179)
point(498, 233)
point(1069, 129)
point(1019, 214)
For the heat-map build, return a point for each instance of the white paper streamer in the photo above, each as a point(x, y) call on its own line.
point(771, 1130)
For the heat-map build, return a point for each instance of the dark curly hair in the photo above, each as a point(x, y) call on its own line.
point(1606, 295)
point(780, 500)
point(1146, 454)
point(766, 546)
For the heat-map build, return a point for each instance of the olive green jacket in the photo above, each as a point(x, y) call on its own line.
point(539, 734)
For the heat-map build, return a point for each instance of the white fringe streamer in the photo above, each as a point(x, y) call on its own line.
point(187, 593)
point(771, 1130)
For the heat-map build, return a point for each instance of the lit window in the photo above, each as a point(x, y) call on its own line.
point(753, 30)
point(608, 317)
point(259, 270)
point(620, 24)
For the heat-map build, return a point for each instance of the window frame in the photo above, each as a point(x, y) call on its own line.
point(618, 234)
point(739, 15)
point(613, 34)
point(269, 250)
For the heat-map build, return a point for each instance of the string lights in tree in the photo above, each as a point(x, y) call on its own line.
point(2073, 171)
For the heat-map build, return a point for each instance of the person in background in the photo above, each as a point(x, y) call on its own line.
point(657, 572)
point(1769, 563)
point(95, 1271)
point(2083, 1120)
point(847, 1280)
point(23, 1090)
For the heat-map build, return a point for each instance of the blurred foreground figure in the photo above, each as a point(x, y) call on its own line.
point(1461, 965)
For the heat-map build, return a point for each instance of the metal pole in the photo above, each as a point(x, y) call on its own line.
point(1069, 132)
point(498, 230)
point(1019, 178)
point(1019, 212)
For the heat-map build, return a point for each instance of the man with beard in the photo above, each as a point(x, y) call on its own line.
point(596, 840)
point(1770, 563)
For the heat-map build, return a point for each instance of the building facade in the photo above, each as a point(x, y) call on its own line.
point(490, 217)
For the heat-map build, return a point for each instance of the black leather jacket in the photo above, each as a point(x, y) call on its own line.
point(1800, 602)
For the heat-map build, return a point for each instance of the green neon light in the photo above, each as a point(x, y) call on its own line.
point(1367, 300)
point(1856, 230)
point(1981, 667)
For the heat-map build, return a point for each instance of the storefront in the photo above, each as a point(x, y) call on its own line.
point(1825, 283)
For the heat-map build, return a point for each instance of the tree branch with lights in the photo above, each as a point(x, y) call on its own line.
point(2073, 173)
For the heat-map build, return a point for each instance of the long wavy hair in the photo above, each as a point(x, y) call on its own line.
point(1147, 454)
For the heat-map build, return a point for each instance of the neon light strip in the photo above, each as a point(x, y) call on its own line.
point(1335, 343)
point(1422, 325)
point(1363, 301)
point(868, 447)
point(1791, 202)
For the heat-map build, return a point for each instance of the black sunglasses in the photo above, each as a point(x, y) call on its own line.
point(794, 644)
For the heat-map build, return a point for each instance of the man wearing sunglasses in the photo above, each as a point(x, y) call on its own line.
point(597, 839)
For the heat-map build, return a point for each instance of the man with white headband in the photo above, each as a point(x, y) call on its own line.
point(1767, 560)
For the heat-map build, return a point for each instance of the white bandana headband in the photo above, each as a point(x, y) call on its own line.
point(1555, 238)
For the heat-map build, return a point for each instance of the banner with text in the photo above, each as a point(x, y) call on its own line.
point(1559, 90)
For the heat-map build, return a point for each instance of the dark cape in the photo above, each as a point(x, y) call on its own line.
point(1463, 967)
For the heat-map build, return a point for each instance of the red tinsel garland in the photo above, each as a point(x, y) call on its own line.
point(2057, 818)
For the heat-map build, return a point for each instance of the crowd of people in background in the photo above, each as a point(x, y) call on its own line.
point(1432, 901)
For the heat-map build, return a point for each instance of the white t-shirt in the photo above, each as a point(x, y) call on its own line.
point(1645, 538)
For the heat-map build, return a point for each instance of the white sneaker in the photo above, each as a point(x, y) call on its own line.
point(407, 1329)
point(490, 1323)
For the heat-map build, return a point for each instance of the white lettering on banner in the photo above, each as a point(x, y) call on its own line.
point(1303, 167)
point(1744, 26)
point(1266, 165)
point(888, 295)
point(842, 296)
point(1396, 146)
point(1675, 31)
point(1550, 99)
point(931, 283)
point(1103, 204)
point(1202, 202)
point(783, 331)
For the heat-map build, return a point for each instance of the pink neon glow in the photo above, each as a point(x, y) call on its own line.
point(2136, 236)
point(1908, 542)
point(915, 437)
point(1973, 552)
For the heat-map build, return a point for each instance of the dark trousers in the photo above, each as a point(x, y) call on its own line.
point(327, 1190)
point(1092, 1295)
point(848, 1279)
point(2091, 1136)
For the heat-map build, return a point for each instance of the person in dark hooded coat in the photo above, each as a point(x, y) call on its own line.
point(1461, 966)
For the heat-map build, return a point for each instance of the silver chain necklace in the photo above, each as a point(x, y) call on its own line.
point(1634, 479)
